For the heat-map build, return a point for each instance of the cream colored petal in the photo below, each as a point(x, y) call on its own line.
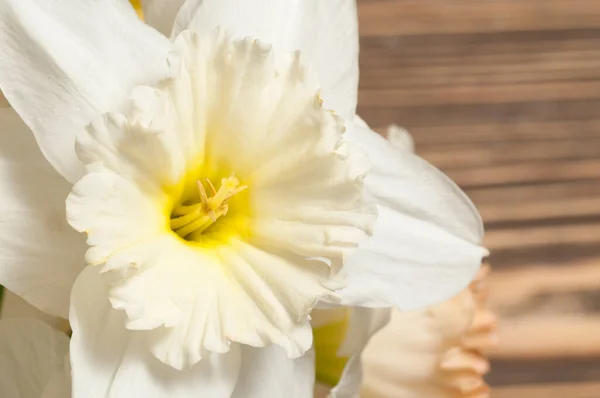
point(400, 138)
point(14, 306)
point(40, 254)
point(113, 213)
point(427, 354)
point(63, 64)
point(31, 356)
point(325, 31)
point(110, 361)
point(426, 242)
point(59, 385)
point(160, 14)
point(268, 372)
point(208, 299)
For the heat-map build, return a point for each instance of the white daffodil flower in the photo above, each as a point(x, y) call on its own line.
point(221, 198)
point(33, 360)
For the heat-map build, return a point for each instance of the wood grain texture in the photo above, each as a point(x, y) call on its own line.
point(472, 16)
point(504, 96)
point(563, 390)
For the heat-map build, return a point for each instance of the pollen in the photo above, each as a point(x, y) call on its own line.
point(190, 220)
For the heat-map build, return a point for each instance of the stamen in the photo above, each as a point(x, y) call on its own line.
point(182, 210)
point(195, 218)
point(203, 196)
point(212, 187)
point(182, 221)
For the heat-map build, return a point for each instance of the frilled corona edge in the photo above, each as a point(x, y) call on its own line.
point(434, 353)
point(463, 366)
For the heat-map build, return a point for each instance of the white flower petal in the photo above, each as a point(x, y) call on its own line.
point(205, 307)
point(160, 14)
point(325, 31)
point(364, 323)
point(113, 213)
point(408, 183)
point(425, 246)
point(110, 361)
point(59, 385)
point(31, 356)
point(14, 306)
point(41, 255)
point(400, 138)
point(60, 67)
point(253, 275)
point(268, 372)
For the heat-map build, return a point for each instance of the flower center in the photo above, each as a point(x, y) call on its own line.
point(191, 219)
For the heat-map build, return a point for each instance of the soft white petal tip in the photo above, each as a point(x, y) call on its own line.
point(400, 138)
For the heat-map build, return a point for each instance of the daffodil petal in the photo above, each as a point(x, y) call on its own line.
point(14, 306)
point(109, 360)
point(160, 14)
point(404, 359)
point(41, 255)
point(63, 63)
point(268, 372)
point(406, 182)
point(32, 359)
point(364, 323)
point(59, 385)
point(425, 246)
point(206, 300)
point(325, 31)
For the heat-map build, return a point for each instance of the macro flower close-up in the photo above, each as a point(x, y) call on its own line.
point(188, 189)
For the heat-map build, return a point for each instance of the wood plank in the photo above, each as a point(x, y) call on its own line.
point(483, 62)
point(467, 45)
point(520, 173)
point(510, 196)
point(554, 390)
point(480, 112)
point(509, 288)
point(534, 300)
point(546, 235)
point(415, 17)
point(530, 211)
point(494, 94)
point(517, 131)
point(419, 77)
point(550, 254)
point(546, 371)
point(451, 157)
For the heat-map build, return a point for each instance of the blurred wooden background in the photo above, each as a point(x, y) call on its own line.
point(504, 96)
